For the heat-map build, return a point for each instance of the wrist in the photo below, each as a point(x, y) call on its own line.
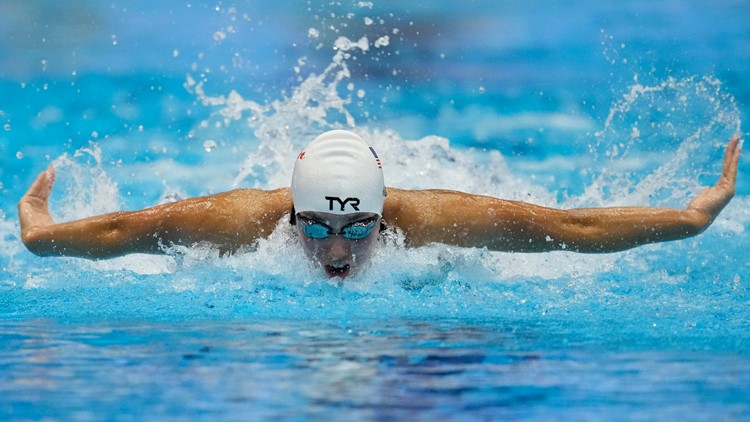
point(697, 220)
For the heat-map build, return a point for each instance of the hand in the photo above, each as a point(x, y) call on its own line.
point(33, 208)
point(710, 201)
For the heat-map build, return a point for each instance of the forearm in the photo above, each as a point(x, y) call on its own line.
point(619, 228)
point(594, 230)
point(461, 219)
point(99, 237)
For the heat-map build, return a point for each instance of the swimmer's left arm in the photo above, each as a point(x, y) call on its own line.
point(456, 218)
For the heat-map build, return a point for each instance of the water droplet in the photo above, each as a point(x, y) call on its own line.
point(382, 41)
point(209, 145)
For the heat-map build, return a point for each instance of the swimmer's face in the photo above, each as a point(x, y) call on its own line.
point(341, 244)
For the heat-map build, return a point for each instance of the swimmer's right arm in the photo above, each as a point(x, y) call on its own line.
point(228, 220)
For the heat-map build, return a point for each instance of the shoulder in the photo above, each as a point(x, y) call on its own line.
point(244, 215)
point(277, 198)
point(412, 209)
point(406, 201)
point(245, 204)
point(419, 211)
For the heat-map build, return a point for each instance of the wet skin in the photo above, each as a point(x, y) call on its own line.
point(339, 256)
point(237, 219)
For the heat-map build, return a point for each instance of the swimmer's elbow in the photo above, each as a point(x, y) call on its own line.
point(38, 242)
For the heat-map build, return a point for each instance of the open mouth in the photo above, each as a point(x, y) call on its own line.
point(334, 271)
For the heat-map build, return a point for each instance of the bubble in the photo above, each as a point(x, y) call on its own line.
point(482, 90)
point(313, 33)
point(6, 127)
point(361, 93)
point(219, 36)
point(19, 155)
point(209, 145)
point(368, 21)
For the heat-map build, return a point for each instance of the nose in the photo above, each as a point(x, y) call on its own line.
point(337, 250)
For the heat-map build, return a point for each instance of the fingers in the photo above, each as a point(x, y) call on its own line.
point(42, 186)
point(731, 160)
point(33, 211)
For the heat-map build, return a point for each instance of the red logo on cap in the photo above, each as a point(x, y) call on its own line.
point(301, 155)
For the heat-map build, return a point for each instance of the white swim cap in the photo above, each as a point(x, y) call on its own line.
point(338, 173)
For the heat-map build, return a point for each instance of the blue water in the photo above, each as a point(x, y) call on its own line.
point(566, 104)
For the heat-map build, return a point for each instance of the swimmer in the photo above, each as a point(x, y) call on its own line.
point(338, 202)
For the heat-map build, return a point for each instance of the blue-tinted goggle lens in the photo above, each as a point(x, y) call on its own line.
point(315, 230)
point(354, 231)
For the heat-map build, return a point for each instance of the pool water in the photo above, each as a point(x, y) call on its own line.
point(572, 104)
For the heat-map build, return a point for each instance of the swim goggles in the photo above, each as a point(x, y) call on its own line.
point(353, 231)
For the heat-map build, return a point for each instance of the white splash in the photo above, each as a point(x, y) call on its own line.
point(83, 186)
point(671, 132)
point(282, 127)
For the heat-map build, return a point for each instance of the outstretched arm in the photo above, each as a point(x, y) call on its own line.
point(461, 219)
point(228, 220)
